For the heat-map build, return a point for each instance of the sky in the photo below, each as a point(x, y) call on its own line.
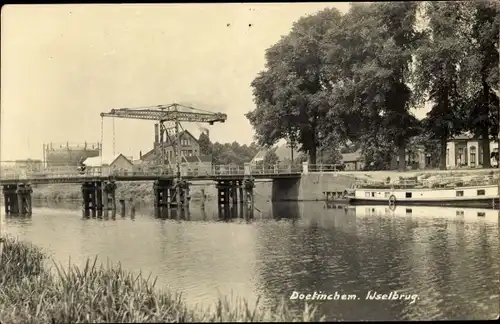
point(62, 65)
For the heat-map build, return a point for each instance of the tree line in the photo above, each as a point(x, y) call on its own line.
point(227, 153)
point(353, 78)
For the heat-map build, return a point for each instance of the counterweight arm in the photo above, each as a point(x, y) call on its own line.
point(168, 113)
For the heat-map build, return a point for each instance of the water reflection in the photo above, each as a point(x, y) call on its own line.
point(449, 257)
point(285, 210)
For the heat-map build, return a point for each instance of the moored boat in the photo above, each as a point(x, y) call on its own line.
point(459, 195)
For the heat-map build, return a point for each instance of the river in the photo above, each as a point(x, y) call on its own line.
point(448, 258)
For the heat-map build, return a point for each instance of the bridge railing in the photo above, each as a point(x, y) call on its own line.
point(185, 170)
point(325, 167)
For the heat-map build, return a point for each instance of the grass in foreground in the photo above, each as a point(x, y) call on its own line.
point(31, 293)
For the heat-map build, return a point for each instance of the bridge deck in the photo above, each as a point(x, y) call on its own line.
point(41, 179)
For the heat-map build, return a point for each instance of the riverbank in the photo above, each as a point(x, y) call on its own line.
point(32, 293)
point(310, 188)
point(140, 191)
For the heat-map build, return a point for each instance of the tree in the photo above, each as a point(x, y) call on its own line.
point(330, 155)
point(205, 144)
point(271, 158)
point(231, 153)
point(371, 58)
point(289, 94)
point(483, 68)
point(438, 76)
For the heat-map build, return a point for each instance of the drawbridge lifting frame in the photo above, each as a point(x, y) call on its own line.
point(169, 118)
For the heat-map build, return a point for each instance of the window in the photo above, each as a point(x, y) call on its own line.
point(473, 156)
point(481, 214)
point(408, 195)
point(460, 212)
point(367, 194)
point(373, 194)
point(460, 159)
point(480, 192)
point(409, 210)
point(460, 193)
point(387, 194)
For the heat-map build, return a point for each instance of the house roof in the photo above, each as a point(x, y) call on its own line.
point(351, 157)
point(106, 160)
point(167, 144)
point(151, 153)
point(462, 137)
point(201, 158)
point(283, 152)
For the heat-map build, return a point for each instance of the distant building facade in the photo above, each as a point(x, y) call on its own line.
point(353, 161)
point(59, 155)
point(283, 152)
point(29, 165)
point(110, 165)
point(188, 147)
point(465, 151)
point(190, 158)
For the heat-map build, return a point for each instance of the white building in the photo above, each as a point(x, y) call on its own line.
point(109, 165)
point(465, 151)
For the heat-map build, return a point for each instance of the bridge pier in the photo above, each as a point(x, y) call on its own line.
point(10, 199)
point(109, 195)
point(230, 193)
point(17, 199)
point(223, 196)
point(248, 197)
point(171, 194)
point(98, 196)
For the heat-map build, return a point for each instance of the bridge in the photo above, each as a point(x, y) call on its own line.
point(216, 173)
point(235, 184)
point(171, 176)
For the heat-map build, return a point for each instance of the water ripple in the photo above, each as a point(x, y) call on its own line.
point(452, 264)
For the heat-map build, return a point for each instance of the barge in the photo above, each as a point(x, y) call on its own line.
point(457, 194)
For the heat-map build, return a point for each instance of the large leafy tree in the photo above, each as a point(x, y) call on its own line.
point(290, 94)
point(439, 73)
point(370, 59)
point(483, 69)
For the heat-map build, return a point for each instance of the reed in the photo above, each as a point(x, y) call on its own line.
point(31, 293)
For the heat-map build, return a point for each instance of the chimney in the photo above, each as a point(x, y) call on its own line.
point(140, 155)
point(156, 134)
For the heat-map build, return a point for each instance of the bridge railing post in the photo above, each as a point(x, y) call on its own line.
point(247, 169)
point(305, 167)
point(184, 169)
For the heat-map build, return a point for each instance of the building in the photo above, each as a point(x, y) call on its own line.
point(283, 152)
point(59, 155)
point(353, 161)
point(188, 146)
point(465, 151)
point(115, 164)
point(198, 165)
point(29, 165)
